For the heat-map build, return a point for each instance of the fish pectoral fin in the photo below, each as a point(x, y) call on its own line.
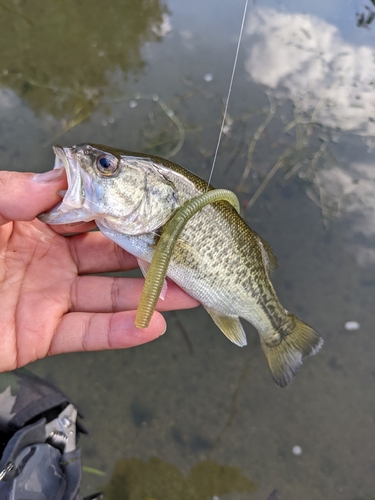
point(269, 258)
point(144, 266)
point(284, 357)
point(230, 326)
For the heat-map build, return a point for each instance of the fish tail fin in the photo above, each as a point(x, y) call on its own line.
point(285, 350)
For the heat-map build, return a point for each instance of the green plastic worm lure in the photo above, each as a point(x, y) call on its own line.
point(157, 271)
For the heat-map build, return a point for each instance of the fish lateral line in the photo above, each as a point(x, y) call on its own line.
point(157, 271)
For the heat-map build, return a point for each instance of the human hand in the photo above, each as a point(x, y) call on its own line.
point(49, 302)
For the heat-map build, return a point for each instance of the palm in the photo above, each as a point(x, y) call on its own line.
point(51, 305)
point(39, 270)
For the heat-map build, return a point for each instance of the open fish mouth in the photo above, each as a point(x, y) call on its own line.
point(65, 158)
point(61, 162)
point(71, 208)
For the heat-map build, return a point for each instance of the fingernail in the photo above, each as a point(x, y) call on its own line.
point(50, 176)
point(165, 329)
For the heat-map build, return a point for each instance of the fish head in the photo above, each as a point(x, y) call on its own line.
point(124, 192)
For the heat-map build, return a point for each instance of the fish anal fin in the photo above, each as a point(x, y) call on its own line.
point(230, 326)
point(144, 267)
point(284, 357)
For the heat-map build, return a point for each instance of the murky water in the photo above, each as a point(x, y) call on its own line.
point(191, 415)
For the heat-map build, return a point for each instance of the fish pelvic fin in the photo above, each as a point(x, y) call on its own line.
point(286, 349)
point(230, 326)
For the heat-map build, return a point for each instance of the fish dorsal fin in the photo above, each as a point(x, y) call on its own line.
point(144, 266)
point(230, 326)
point(269, 258)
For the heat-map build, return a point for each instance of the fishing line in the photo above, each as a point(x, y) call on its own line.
point(229, 92)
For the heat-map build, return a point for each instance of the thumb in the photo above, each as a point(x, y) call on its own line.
point(25, 195)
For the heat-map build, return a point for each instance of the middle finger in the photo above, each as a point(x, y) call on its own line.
point(103, 294)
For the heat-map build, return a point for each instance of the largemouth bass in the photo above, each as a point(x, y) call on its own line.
point(217, 259)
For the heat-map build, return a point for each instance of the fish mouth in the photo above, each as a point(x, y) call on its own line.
point(65, 158)
point(70, 209)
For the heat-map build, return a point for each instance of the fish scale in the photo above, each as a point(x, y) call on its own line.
point(218, 259)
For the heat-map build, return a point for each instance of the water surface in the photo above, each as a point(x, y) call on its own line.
point(298, 150)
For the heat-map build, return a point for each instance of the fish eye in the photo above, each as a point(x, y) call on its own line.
point(107, 164)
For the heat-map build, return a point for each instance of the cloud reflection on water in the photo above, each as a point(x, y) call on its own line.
point(308, 61)
point(302, 58)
